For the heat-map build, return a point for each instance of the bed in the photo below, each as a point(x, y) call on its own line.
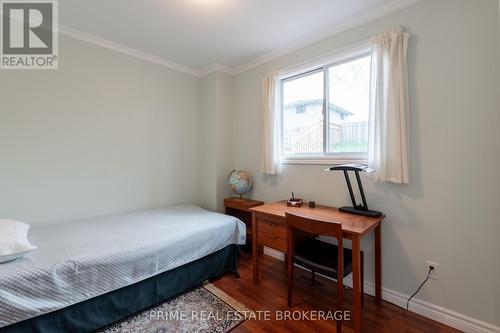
point(89, 273)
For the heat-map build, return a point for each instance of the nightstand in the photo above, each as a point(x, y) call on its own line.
point(240, 208)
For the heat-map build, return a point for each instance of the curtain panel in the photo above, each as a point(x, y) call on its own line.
point(388, 127)
point(271, 134)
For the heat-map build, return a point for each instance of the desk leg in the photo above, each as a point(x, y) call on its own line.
point(356, 284)
point(255, 251)
point(378, 265)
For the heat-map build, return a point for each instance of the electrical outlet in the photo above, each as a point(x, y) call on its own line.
point(434, 272)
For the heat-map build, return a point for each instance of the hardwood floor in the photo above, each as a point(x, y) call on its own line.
point(270, 295)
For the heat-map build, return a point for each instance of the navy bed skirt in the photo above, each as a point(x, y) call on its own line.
point(98, 312)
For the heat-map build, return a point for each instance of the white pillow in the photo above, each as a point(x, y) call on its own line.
point(14, 240)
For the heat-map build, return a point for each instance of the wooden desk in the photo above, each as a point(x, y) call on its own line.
point(269, 229)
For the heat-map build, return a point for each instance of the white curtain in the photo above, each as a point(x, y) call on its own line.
point(271, 136)
point(388, 128)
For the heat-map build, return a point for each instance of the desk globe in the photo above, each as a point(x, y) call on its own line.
point(240, 182)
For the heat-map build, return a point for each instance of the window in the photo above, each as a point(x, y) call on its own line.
point(340, 133)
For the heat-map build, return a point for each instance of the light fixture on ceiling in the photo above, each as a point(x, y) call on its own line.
point(206, 2)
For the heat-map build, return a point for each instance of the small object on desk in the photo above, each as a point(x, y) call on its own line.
point(361, 209)
point(312, 204)
point(294, 202)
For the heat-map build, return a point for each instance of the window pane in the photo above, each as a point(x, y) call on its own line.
point(349, 85)
point(303, 114)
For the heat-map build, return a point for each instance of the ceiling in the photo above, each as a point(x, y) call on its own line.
point(198, 34)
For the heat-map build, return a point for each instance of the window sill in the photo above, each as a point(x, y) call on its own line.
point(325, 160)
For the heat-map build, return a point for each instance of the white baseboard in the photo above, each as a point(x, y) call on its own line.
point(423, 308)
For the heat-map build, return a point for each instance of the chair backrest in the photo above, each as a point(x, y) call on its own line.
point(296, 222)
point(314, 226)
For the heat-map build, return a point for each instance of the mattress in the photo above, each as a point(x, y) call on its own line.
point(83, 259)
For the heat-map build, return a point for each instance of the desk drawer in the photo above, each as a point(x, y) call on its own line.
point(273, 229)
point(273, 241)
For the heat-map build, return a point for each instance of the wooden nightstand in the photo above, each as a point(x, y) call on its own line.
point(240, 208)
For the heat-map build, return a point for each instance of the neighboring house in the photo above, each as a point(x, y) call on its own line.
point(307, 110)
point(303, 131)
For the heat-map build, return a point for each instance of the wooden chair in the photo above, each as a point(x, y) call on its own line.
point(319, 256)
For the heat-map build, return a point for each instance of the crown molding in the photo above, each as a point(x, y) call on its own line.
point(217, 68)
point(127, 50)
point(359, 20)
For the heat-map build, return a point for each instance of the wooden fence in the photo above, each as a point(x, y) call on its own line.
point(310, 139)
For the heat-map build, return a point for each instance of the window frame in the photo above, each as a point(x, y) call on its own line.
point(322, 64)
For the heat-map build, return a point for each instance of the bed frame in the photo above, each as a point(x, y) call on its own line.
point(101, 311)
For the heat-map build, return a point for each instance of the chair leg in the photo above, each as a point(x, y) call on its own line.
point(362, 279)
point(340, 300)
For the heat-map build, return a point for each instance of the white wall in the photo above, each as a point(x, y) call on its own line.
point(449, 212)
point(105, 133)
point(216, 139)
point(224, 133)
point(207, 167)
